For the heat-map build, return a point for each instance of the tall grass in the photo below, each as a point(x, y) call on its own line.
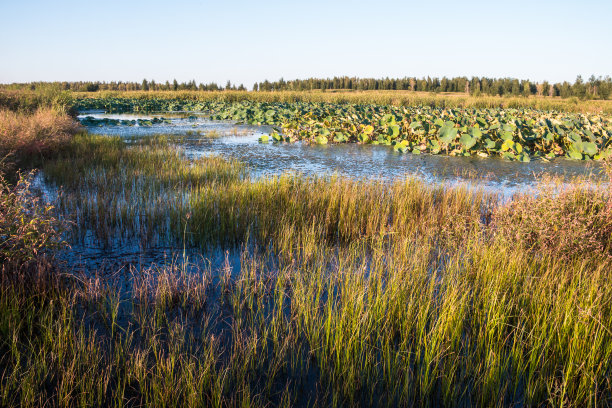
point(29, 101)
point(354, 294)
point(37, 133)
point(33, 125)
point(113, 188)
point(110, 186)
point(486, 326)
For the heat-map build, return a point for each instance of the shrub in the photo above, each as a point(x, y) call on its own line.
point(27, 227)
point(564, 221)
point(29, 136)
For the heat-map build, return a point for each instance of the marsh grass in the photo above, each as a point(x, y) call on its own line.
point(27, 138)
point(353, 293)
point(150, 188)
point(490, 327)
point(23, 101)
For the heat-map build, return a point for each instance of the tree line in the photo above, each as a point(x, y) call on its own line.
point(145, 85)
point(593, 88)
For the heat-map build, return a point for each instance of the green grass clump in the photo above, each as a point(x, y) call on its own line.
point(403, 325)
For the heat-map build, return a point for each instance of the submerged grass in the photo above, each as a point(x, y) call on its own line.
point(354, 293)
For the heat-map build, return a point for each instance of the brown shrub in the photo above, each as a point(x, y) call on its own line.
point(563, 221)
point(34, 134)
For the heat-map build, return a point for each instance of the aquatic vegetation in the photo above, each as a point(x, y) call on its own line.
point(135, 189)
point(49, 96)
point(116, 188)
point(149, 190)
point(514, 134)
point(101, 122)
point(379, 97)
point(346, 293)
point(387, 324)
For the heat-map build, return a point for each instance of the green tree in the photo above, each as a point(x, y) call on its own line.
point(579, 88)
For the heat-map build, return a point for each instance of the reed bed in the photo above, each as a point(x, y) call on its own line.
point(395, 98)
point(24, 101)
point(347, 293)
point(150, 188)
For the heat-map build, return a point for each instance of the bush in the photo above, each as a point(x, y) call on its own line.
point(29, 136)
point(563, 221)
point(27, 227)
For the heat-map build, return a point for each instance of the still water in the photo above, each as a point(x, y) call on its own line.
point(202, 137)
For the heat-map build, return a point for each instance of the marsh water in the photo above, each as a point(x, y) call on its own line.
point(200, 136)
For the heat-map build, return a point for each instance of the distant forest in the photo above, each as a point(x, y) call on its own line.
point(593, 88)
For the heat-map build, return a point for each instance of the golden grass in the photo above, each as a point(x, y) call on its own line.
point(26, 135)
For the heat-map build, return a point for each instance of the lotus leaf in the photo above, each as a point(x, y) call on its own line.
point(467, 141)
point(447, 134)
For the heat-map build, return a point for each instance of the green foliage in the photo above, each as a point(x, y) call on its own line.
point(28, 228)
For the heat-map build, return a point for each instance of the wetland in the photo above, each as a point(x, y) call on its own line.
point(190, 261)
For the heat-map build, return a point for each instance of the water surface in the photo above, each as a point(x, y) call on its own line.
point(203, 137)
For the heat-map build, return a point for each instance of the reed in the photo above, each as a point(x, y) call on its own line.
point(23, 101)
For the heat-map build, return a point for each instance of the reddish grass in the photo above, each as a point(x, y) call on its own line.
point(564, 222)
point(38, 133)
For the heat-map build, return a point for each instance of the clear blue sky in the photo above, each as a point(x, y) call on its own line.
point(248, 41)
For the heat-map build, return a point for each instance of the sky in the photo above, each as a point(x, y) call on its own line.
point(250, 41)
